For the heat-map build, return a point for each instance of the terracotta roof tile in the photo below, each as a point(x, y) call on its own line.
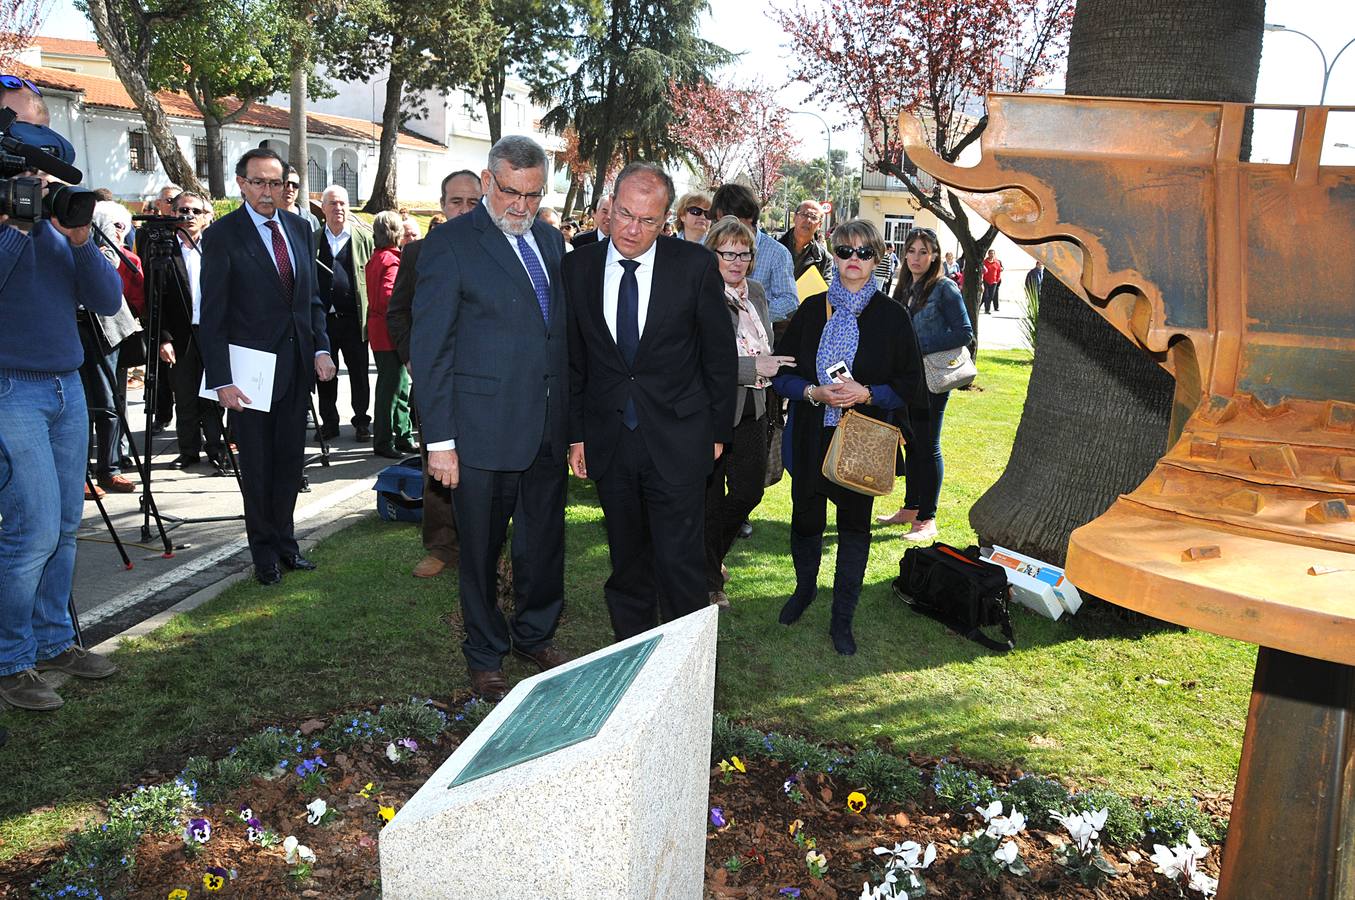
point(109, 93)
point(66, 46)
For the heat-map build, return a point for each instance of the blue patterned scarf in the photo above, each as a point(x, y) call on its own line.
point(841, 335)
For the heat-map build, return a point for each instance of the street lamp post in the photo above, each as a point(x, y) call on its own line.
point(828, 158)
point(1326, 69)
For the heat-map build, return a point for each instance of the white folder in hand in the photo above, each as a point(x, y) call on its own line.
point(252, 372)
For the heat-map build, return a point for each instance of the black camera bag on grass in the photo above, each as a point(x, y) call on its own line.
point(957, 589)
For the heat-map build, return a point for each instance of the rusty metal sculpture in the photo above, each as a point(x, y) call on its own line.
point(1239, 279)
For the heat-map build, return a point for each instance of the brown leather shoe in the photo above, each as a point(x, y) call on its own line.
point(488, 686)
point(547, 656)
point(95, 494)
point(116, 484)
point(429, 567)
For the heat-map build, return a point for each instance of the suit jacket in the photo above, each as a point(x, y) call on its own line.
point(398, 314)
point(491, 373)
point(685, 370)
point(362, 244)
point(583, 238)
point(243, 303)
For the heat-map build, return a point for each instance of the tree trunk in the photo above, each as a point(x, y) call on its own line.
point(570, 195)
point(491, 95)
point(383, 188)
point(132, 71)
point(216, 153)
point(1098, 411)
point(298, 152)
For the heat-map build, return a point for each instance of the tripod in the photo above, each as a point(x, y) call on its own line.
point(162, 276)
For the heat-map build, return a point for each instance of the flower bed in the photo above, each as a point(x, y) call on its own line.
point(298, 811)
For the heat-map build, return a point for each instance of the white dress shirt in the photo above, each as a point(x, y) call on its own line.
point(611, 285)
point(192, 263)
point(336, 241)
point(266, 235)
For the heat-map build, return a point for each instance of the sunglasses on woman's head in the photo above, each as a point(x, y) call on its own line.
point(14, 82)
point(842, 251)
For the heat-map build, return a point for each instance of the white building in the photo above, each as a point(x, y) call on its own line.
point(93, 110)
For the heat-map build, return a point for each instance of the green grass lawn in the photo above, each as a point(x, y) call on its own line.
point(1138, 708)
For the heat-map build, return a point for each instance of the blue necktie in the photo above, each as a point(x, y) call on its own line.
point(628, 329)
point(538, 275)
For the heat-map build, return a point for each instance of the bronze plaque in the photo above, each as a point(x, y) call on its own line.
point(559, 711)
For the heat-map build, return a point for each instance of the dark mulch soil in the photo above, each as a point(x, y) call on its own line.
point(757, 810)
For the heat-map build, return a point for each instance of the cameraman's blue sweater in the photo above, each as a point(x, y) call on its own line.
point(42, 281)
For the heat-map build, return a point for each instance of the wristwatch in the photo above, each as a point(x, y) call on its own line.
point(809, 396)
point(870, 396)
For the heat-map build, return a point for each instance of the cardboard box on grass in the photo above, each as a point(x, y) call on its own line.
point(1040, 586)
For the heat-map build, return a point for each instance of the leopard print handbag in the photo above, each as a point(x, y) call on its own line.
point(862, 453)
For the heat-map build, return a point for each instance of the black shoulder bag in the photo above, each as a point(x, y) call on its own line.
point(957, 589)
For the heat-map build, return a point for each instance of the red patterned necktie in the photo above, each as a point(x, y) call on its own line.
point(283, 260)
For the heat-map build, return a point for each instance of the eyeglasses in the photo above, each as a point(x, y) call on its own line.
point(624, 217)
point(14, 82)
point(813, 215)
point(515, 196)
point(265, 182)
point(698, 211)
point(292, 186)
point(843, 252)
point(732, 255)
point(192, 211)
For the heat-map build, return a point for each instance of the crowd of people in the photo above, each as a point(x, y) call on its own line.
point(674, 372)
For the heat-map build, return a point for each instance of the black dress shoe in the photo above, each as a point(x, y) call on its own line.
point(298, 563)
point(268, 575)
point(362, 433)
point(746, 529)
point(406, 448)
point(186, 460)
point(389, 453)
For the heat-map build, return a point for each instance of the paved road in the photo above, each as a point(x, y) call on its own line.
point(111, 597)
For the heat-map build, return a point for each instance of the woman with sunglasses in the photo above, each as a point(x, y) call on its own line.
point(693, 210)
point(855, 326)
point(735, 487)
point(941, 322)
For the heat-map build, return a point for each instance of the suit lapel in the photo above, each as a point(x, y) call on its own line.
point(254, 247)
point(661, 294)
point(495, 245)
point(596, 301)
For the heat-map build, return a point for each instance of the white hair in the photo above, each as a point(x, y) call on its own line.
point(334, 190)
point(108, 214)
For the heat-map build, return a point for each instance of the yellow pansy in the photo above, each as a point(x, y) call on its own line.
point(856, 801)
point(386, 813)
point(178, 894)
point(738, 763)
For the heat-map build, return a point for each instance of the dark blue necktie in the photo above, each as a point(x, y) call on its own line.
point(628, 329)
point(538, 275)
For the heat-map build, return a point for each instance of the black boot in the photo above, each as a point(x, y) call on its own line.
point(853, 550)
point(805, 552)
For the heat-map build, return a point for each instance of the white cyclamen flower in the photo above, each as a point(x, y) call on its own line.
point(1006, 854)
point(992, 809)
point(1084, 827)
point(1201, 882)
point(1181, 861)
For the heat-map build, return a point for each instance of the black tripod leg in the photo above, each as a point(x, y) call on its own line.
point(319, 430)
point(108, 523)
point(75, 616)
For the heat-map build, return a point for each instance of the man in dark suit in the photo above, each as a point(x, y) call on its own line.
point(460, 194)
point(197, 421)
point(490, 366)
point(259, 291)
point(653, 371)
point(343, 246)
point(603, 221)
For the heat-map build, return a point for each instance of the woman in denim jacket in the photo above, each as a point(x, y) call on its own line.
point(941, 323)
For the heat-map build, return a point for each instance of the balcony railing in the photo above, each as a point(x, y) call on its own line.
point(878, 181)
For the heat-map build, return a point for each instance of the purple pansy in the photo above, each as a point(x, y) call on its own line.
point(717, 817)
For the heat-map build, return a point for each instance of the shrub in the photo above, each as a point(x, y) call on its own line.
point(1035, 796)
point(157, 810)
point(212, 781)
point(884, 777)
point(1124, 823)
point(350, 730)
point(472, 714)
point(961, 789)
point(268, 749)
point(1167, 822)
point(96, 857)
point(800, 753)
point(732, 739)
point(414, 718)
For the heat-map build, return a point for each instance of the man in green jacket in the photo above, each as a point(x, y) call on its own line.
point(343, 245)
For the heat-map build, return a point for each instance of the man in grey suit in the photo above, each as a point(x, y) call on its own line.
point(489, 354)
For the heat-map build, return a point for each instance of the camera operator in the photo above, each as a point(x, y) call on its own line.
point(47, 272)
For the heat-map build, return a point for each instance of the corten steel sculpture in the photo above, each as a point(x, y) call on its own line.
point(1239, 279)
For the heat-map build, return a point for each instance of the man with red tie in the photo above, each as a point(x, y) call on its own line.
point(259, 291)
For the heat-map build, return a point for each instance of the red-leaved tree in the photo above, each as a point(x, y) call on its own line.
point(19, 21)
point(731, 130)
point(936, 59)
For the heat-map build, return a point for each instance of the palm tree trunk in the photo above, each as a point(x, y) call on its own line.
point(1098, 412)
point(298, 152)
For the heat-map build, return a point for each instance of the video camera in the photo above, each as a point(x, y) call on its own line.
point(25, 147)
